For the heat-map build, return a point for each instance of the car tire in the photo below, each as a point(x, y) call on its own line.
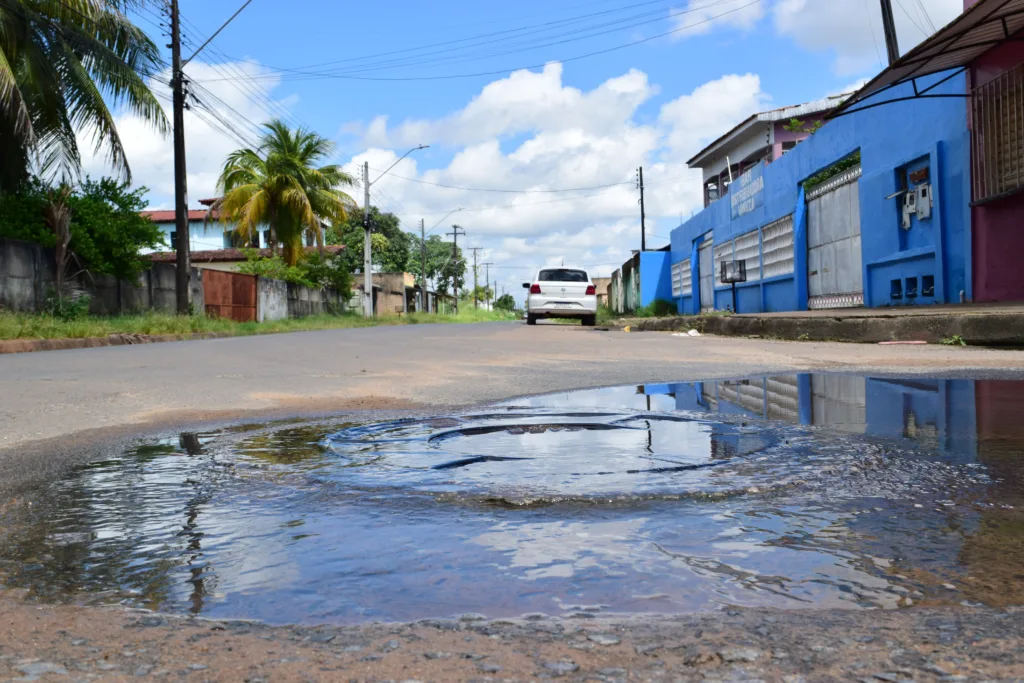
point(589, 321)
point(531, 319)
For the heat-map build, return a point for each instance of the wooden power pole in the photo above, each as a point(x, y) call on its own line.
point(889, 27)
point(182, 280)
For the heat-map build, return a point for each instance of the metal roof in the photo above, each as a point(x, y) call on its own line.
point(980, 28)
point(781, 114)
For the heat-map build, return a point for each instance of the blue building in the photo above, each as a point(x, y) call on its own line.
point(873, 209)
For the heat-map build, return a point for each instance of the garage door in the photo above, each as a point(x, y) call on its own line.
point(834, 262)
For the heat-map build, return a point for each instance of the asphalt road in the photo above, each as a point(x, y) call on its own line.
point(48, 396)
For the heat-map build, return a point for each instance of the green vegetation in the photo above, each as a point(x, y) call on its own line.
point(106, 229)
point(64, 66)
point(395, 251)
point(313, 270)
point(832, 171)
point(955, 340)
point(798, 126)
point(656, 309)
point(43, 326)
point(505, 302)
point(279, 185)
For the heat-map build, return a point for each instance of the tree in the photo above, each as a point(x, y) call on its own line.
point(391, 248)
point(63, 65)
point(505, 302)
point(106, 230)
point(278, 185)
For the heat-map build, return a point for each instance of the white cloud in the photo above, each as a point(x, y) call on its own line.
point(524, 101)
point(852, 29)
point(563, 141)
point(701, 16)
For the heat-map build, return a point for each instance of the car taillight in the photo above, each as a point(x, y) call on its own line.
point(535, 289)
point(591, 290)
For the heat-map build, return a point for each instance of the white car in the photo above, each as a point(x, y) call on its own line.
point(561, 293)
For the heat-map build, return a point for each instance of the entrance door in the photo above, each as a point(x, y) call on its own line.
point(834, 260)
point(707, 275)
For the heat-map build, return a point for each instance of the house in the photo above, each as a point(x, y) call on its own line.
point(764, 136)
point(640, 281)
point(601, 284)
point(206, 232)
point(229, 259)
point(399, 293)
point(872, 209)
point(986, 44)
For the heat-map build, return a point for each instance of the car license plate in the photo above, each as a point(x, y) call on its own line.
point(558, 305)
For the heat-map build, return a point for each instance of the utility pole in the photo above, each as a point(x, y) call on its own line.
point(476, 299)
point(183, 274)
point(456, 231)
point(889, 27)
point(423, 266)
point(643, 216)
point(487, 282)
point(367, 258)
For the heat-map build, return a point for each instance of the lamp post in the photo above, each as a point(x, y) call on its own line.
point(367, 249)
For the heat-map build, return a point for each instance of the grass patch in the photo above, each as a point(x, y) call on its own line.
point(43, 326)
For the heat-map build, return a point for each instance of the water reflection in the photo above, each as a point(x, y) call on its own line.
point(788, 491)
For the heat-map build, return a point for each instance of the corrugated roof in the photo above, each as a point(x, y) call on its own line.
point(980, 28)
point(229, 255)
point(161, 216)
point(793, 111)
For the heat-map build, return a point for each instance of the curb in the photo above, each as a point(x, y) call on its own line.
point(981, 329)
point(33, 345)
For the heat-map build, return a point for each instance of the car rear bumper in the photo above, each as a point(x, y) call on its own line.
point(577, 308)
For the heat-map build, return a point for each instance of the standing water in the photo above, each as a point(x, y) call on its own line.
point(792, 491)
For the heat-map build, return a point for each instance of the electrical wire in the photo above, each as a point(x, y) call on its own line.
point(506, 191)
point(542, 26)
point(318, 75)
point(912, 20)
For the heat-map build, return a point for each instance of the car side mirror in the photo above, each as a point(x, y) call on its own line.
point(526, 285)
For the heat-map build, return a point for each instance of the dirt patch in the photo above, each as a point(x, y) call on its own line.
point(919, 644)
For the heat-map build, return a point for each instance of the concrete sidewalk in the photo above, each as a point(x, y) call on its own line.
point(977, 324)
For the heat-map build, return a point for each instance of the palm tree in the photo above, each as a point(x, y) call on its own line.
point(278, 185)
point(62, 62)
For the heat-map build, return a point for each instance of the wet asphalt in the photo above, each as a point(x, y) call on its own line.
point(59, 407)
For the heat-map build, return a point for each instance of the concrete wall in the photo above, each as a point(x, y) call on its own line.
point(304, 302)
point(904, 135)
point(271, 299)
point(26, 272)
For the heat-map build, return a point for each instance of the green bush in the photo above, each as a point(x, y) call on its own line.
point(656, 309)
point(312, 271)
point(107, 231)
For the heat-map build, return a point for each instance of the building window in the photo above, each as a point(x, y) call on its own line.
point(174, 240)
point(788, 146)
point(266, 238)
point(997, 137)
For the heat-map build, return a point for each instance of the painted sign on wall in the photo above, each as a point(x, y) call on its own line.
point(747, 193)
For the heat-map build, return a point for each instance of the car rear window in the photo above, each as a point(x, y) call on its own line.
point(562, 275)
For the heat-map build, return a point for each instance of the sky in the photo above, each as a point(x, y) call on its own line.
point(537, 113)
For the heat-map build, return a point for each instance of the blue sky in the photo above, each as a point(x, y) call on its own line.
point(574, 123)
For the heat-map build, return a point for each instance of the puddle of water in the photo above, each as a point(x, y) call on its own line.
point(792, 491)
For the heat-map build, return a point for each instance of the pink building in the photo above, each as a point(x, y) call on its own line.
point(995, 80)
point(763, 137)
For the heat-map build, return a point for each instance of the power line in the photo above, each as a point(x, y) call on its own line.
point(505, 191)
point(595, 53)
point(912, 20)
point(518, 30)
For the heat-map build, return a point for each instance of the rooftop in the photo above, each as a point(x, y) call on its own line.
point(167, 215)
point(794, 111)
point(230, 255)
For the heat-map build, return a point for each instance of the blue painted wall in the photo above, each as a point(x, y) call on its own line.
point(655, 277)
point(904, 135)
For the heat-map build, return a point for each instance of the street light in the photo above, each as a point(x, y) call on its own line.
point(367, 254)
